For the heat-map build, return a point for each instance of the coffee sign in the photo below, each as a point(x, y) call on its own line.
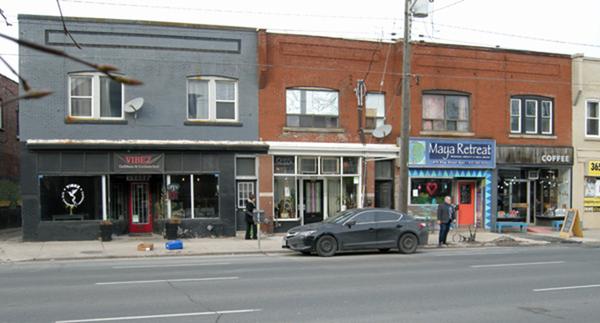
point(138, 163)
point(536, 155)
point(466, 153)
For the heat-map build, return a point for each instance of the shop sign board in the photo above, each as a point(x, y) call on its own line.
point(535, 155)
point(138, 163)
point(593, 168)
point(452, 153)
point(571, 225)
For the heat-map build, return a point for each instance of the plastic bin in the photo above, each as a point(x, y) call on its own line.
point(173, 245)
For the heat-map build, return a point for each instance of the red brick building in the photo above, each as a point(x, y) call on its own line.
point(460, 95)
point(9, 142)
point(9, 155)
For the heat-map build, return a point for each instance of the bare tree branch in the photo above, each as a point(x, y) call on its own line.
point(37, 94)
point(4, 17)
point(24, 83)
point(62, 19)
point(102, 68)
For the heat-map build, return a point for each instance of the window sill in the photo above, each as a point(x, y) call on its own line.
point(525, 136)
point(587, 138)
point(213, 123)
point(72, 120)
point(325, 130)
point(287, 220)
point(447, 133)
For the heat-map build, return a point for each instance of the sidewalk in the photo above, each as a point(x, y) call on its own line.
point(13, 249)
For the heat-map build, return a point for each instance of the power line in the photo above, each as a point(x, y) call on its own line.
point(447, 6)
point(252, 12)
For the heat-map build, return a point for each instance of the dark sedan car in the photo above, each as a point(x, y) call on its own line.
point(358, 229)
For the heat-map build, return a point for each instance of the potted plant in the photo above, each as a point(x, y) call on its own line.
point(171, 228)
point(106, 230)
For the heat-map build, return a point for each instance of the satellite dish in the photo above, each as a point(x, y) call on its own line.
point(134, 105)
point(382, 131)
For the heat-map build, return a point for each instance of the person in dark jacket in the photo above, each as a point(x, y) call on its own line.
point(250, 224)
point(445, 215)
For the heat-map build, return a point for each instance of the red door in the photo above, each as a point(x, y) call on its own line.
point(466, 203)
point(140, 215)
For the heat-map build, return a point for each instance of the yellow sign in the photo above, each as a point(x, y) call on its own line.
point(593, 168)
point(571, 225)
point(591, 201)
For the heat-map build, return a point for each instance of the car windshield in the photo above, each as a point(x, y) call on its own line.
point(340, 217)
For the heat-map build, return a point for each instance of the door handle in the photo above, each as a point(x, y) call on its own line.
point(371, 229)
point(399, 226)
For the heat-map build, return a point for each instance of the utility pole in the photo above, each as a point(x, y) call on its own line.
point(405, 130)
point(421, 12)
point(361, 91)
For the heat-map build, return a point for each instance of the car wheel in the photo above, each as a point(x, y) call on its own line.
point(326, 246)
point(408, 243)
point(384, 250)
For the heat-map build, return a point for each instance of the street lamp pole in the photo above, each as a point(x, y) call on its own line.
point(405, 129)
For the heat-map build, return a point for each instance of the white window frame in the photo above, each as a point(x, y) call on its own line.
point(212, 98)
point(587, 102)
point(551, 117)
point(529, 116)
point(94, 97)
point(377, 116)
point(515, 115)
point(241, 201)
point(313, 89)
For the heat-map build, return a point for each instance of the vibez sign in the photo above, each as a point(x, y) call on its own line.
point(429, 152)
point(139, 163)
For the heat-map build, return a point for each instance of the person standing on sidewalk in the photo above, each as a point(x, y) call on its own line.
point(250, 224)
point(445, 215)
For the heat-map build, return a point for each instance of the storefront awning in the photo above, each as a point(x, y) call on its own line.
point(333, 149)
point(66, 144)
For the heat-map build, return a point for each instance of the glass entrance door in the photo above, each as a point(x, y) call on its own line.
point(519, 200)
point(140, 217)
point(312, 198)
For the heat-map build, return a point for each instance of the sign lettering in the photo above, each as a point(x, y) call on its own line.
point(426, 152)
point(138, 163)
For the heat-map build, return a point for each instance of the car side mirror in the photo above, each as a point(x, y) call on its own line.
point(350, 224)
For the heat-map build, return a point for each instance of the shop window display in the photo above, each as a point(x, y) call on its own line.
point(429, 191)
point(68, 198)
point(285, 197)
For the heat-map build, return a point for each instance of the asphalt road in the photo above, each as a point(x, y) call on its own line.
point(525, 284)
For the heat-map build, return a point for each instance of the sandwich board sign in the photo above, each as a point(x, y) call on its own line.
point(571, 225)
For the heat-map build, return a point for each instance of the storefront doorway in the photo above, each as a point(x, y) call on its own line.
point(466, 203)
point(140, 215)
point(312, 198)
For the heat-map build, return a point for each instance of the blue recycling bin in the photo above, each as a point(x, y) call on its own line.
point(174, 245)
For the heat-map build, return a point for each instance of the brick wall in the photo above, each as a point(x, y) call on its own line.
point(9, 143)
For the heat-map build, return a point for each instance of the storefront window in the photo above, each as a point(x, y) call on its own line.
point(350, 165)
point(285, 197)
point(66, 198)
point(330, 165)
point(591, 200)
point(429, 190)
point(529, 193)
point(206, 196)
point(179, 192)
point(284, 164)
point(350, 189)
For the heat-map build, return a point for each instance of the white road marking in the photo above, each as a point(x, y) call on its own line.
point(478, 253)
point(143, 317)
point(171, 265)
point(167, 280)
point(518, 264)
point(564, 288)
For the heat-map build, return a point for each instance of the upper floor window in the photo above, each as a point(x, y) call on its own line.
point(95, 96)
point(312, 108)
point(592, 119)
point(212, 99)
point(531, 115)
point(446, 112)
point(375, 104)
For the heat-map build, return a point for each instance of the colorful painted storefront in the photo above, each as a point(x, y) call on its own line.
point(460, 168)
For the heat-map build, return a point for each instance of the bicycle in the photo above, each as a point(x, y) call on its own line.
point(460, 237)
